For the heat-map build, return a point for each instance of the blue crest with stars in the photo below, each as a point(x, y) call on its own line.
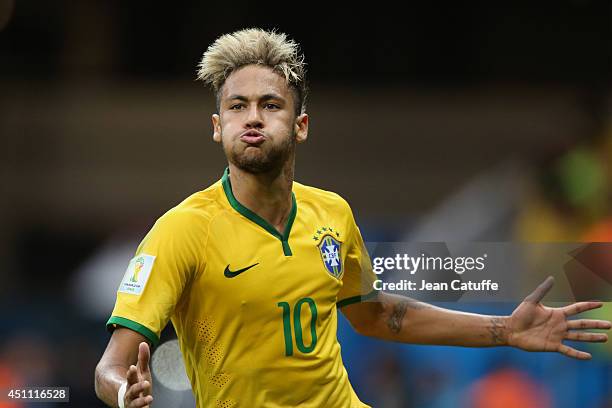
point(330, 253)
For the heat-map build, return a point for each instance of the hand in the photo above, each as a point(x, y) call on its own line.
point(139, 382)
point(535, 327)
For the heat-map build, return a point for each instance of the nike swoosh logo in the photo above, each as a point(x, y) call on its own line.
point(233, 274)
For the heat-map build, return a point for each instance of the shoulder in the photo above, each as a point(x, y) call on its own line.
point(195, 211)
point(326, 205)
point(318, 197)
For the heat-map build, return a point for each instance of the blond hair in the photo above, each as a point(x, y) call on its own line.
point(255, 46)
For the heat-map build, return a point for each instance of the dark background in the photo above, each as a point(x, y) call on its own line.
point(419, 115)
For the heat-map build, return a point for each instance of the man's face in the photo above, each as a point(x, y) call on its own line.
point(256, 122)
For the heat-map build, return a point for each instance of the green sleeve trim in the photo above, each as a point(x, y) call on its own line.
point(357, 299)
point(130, 324)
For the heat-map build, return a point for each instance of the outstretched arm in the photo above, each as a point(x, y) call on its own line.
point(532, 326)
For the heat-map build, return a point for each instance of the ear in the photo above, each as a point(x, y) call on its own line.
point(216, 122)
point(301, 128)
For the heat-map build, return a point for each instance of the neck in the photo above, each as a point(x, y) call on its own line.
point(266, 194)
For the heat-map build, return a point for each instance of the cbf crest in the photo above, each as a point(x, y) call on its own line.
point(329, 247)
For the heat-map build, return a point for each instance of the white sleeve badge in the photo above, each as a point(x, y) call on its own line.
point(137, 274)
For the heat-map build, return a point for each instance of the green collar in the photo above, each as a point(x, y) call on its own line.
point(284, 238)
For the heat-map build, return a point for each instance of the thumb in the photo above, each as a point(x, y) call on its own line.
point(538, 294)
point(144, 356)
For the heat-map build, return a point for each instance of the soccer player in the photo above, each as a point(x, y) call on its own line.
point(253, 270)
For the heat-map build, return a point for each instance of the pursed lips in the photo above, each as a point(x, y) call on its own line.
point(252, 137)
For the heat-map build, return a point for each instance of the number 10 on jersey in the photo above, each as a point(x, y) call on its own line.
point(297, 325)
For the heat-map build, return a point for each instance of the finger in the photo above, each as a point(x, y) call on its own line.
point(140, 402)
point(135, 391)
point(132, 376)
point(538, 294)
point(144, 355)
point(588, 324)
point(580, 307)
point(573, 353)
point(146, 388)
point(589, 337)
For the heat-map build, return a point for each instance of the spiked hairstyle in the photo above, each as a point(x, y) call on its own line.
point(255, 46)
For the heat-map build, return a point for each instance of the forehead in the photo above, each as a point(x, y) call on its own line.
point(255, 80)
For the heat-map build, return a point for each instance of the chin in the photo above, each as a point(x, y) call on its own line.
point(254, 163)
point(256, 159)
point(256, 167)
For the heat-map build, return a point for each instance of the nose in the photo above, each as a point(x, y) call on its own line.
point(254, 118)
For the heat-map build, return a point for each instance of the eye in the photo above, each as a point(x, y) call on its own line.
point(236, 107)
point(271, 106)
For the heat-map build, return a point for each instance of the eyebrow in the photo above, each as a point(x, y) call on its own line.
point(265, 97)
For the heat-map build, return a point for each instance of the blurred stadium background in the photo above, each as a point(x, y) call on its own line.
point(456, 122)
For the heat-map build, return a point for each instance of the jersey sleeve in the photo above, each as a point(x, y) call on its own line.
point(358, 277)
point(166, 260)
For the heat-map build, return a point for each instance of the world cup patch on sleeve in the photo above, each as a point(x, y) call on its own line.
point(137, 274)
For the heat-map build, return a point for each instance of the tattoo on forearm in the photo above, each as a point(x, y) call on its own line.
point(496, 330)
point(399, 310)
point(395, 320)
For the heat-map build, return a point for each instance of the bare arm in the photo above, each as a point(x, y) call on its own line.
point(126, 359)
point(401, 319)
point(532, 326)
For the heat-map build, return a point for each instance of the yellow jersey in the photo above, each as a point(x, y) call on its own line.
point(255, 311)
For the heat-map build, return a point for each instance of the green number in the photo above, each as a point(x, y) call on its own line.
point(287, 327)
point(297, 326)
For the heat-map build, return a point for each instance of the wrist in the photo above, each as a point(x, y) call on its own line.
point(121, 395)
point(506, 330)
point(499, 329)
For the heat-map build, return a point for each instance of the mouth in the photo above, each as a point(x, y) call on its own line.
point(252, 137)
